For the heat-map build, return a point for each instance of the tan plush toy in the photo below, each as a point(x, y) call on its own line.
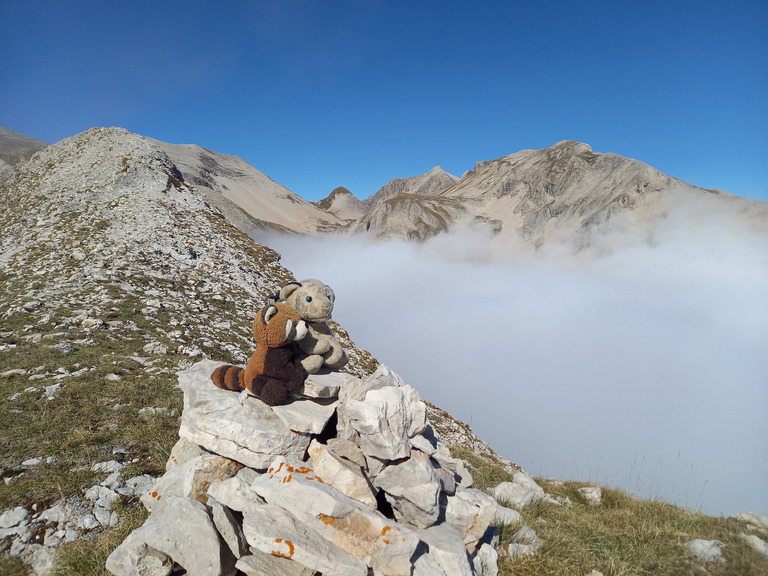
point(274, 370)
point(313, 300)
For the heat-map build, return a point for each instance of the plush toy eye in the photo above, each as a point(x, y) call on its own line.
point(308, 298)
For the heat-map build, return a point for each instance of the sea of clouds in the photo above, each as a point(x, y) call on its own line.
point(637, 362)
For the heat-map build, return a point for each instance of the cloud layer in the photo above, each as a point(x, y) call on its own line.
point(643, 367)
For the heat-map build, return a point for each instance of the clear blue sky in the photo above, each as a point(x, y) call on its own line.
point(354, 93)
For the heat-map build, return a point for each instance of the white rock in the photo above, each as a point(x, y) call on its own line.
point(136, 485)
point(229, 528)
point(306, 416)
point(237, 426)
point(347, 523)
point(346, 477)
point(756, 520)
point(324, 385)
point(133, 557)
point(412, 488)
point(13, 517)
point(447, 548)
point(425, 565)
point(470, 512)
point(525, 542)
point(273, 530)
point(516, 495)
point(592, 494)
point(155, 348)
point(506, 515)
point(235, 492)
point(13, 522)
point(190, 480)
point(183, 451)
point(758, 544)
point(485, 562)
point(182, 530)
point(260, 564)
point(708, 550)
point(108, 467)
point(385, 418)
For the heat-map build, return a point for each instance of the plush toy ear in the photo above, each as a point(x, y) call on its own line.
point(271, 311)
point(289, 289)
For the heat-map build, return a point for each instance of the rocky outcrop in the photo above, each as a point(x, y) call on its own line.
point(348, 478)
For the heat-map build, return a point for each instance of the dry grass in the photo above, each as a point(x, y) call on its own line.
point(624, 536)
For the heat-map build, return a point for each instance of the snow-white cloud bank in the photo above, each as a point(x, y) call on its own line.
point(645, 367)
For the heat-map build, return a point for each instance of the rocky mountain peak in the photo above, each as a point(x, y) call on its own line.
point(428, 184)
point(342, 204)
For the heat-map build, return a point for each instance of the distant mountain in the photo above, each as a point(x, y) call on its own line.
point(15, 147)
point(563, 192)
point(343, 204)
point(247, 196)
point(429, 184)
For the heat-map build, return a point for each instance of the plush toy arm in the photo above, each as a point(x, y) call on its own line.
point(317, 339)
point(336, 357)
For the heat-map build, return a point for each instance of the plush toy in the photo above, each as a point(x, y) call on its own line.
point(313, 300)
point(274, 370)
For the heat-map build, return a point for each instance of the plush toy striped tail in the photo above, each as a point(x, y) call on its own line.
point(229, 378)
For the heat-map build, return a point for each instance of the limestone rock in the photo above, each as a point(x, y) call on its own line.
point(757, 543)
point(306, 416)
point(412, 487)
point(708, 550)
point(346, 477)
point(592, 494)
point(470, 512)
point(260, 564)
point(324, 385)
point(446, 547)
point(525, 542)
point(182, 530)
point(272, 530)
point(237, 426)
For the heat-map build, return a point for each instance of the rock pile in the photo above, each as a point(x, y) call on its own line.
point(350, 478)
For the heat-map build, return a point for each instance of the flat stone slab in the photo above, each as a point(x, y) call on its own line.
point(326, 385)
point(236, 425)
point(306, 416)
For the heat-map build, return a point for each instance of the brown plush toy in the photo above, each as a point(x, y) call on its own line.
point(273, 371)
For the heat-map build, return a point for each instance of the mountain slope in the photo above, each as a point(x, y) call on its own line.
point(343, 204)
point(115, 274)
point(562, 193)
point(248, 197)
point(15, 147)
point(429, 184)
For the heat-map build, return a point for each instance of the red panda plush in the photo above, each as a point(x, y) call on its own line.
point(273, 371)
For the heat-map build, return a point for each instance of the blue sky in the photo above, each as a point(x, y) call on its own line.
point(325, 94)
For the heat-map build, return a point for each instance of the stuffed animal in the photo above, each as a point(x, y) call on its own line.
point(313, 300)
point(274, 370)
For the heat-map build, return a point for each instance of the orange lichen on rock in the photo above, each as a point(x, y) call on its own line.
point(289, 544)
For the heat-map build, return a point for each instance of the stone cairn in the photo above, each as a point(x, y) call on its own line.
point(348, 479)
